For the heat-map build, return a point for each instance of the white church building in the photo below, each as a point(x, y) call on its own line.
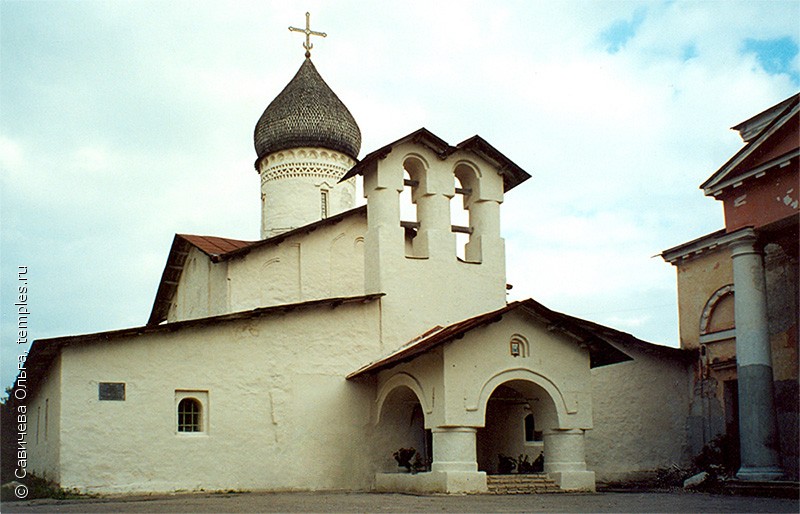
point(306, 359)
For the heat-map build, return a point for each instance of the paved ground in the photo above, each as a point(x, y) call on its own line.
point(375, 502)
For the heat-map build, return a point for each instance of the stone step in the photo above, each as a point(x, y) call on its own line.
point(539, 477)
point(521, 484)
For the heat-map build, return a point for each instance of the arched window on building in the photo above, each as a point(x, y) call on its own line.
point(324, 203)
point(190, 415)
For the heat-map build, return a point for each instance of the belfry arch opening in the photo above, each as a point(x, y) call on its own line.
point(459, 217)
point(462, 214)
point(518, 412)
point(413, 172)
point(401, 425)
point(408, 210)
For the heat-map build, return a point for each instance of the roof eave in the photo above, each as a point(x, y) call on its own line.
point(173, 269)
point(43, 351)
point(601, 352)
point(512, 174)
point(693, 247)
point(178, 325)
point(421, 136)
point(168, 283)
point(751, 127)
point(311, 227)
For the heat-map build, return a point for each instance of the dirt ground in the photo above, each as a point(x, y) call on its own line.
point(376, 502)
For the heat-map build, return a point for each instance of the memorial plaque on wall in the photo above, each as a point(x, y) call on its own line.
point(114, 391)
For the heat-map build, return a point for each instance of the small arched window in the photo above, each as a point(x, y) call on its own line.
point(324, 201)
point(518, 347)
point(190, 412)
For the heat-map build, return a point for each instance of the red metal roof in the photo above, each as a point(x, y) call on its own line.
point(214, 246)
point(219, 249)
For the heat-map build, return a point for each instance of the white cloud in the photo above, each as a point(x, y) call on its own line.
point(11, 156)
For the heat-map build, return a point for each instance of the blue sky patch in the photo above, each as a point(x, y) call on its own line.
point(689, 52)
point(775, 55)
point(621, 31)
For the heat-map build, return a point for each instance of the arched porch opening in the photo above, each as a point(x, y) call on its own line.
point(518, 413)
point(401, 425)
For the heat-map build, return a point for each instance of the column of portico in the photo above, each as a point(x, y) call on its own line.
point(455, 460)
point(565, 460)
point(758, 433)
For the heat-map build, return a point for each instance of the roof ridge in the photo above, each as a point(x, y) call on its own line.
point(512, 174)
point(718, 180)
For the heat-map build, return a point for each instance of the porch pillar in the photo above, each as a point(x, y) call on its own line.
point(565, 459)
point(758, 435)
point(455, 460)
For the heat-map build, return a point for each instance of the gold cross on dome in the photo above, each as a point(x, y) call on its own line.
point(308, 32)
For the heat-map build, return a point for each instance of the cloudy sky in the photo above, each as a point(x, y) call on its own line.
point(124, 122)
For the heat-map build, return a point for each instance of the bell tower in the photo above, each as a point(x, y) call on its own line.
point(306, 140)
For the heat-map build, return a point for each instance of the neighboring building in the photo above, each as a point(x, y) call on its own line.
point(738, 301)
point(306, 359)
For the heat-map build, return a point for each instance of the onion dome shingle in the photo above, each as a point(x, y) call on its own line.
point(307, 113)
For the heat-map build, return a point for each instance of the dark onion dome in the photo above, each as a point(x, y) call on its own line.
point(307, 113)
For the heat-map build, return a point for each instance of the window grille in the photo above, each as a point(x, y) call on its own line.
point(189, 415)
point(324, 203)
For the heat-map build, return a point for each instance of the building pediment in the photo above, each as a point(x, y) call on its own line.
point(512, 174)
point(770, 144)
point(597, 339)
point(219, 249)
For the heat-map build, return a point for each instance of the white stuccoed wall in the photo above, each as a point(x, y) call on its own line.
point(280, 414)
point(202, 289)
point(455, 381)
point(326, 263)
point(291, 185)
point(475, 365)
point(44, 426)
point(640, 412)
point(428, 285)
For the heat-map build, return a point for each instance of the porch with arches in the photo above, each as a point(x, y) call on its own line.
point(461, 395)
